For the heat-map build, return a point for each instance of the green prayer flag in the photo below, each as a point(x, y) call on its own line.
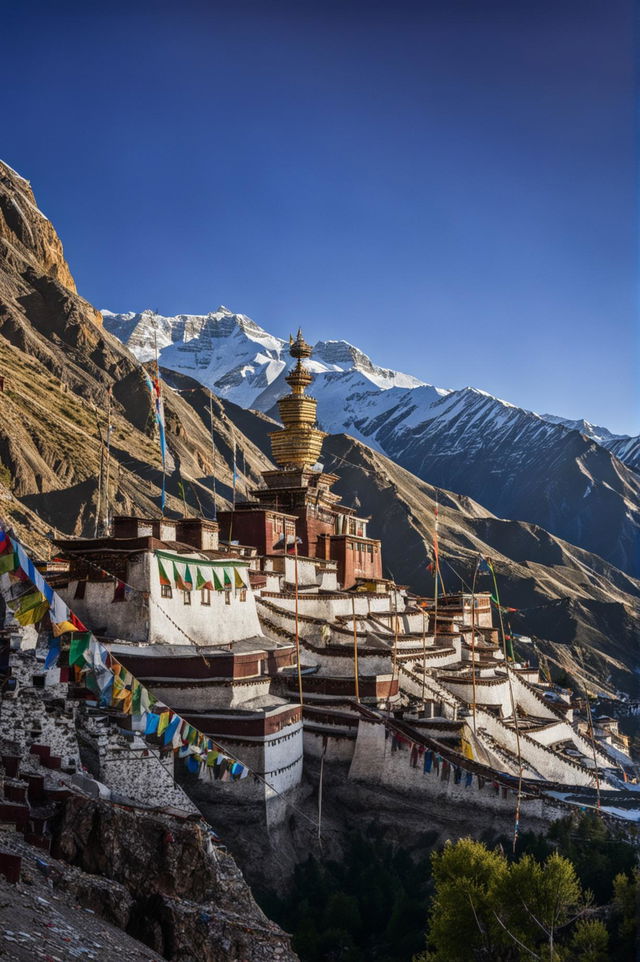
point(177, 577)
point(136, 698)
point(164, 578)
point(217, 581)
point(8, 562)
point(79, 644)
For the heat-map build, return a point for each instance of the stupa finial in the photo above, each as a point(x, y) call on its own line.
point(300, 443)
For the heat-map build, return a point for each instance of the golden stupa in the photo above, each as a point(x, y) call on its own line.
point(300, 443)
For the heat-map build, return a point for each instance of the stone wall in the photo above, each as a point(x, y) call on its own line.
point(204, 694)
point(376, 761)
point(154, 618)
point(38, 716)
point(135, 771)
point(336, 746)
point(277, 758)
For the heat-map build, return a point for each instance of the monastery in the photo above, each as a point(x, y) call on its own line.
point(273, 631)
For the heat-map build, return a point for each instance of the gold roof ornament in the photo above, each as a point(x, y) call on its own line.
point(300, 442)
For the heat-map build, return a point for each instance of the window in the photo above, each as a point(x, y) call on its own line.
point(165, 591)
point(186, 597)
point(243, 594)
point(205, 596)
point(227, 596)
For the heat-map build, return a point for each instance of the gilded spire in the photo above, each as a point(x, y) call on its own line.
point(300, 443)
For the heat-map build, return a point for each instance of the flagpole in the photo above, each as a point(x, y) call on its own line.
point(235, 472)
point(161, 429)
point(514, 708)
point(213, 456)
point(355, 648)
point(107, 468)
point(295, 569)
point(473, 641)
point(424, 657)
point(436, 573)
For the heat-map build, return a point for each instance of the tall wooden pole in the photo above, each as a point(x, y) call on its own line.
point(424, 657)
point(355, 649)
point(107, 469)
point(473, 642)
point(213, 457)
point(596, 771)
point(295, 575)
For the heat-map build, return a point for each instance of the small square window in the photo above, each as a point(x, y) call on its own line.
point(227, 596)
point(205, 596)
point(243, 594)
point(165, 591)
point(186, 597)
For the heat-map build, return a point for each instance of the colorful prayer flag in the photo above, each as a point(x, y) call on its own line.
point(31, 608)
point(8, 562)
point(164, 578)
point(202, 582)
point(178, 579)
point(170, 729)
point(79, 645)
point(151, 725)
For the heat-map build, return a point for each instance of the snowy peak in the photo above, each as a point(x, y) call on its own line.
point(236, 357)
point(595, 431)
point(239, 360)
point(343, 356)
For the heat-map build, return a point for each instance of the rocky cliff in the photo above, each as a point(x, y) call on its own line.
point(180, 894)
point(60, 371)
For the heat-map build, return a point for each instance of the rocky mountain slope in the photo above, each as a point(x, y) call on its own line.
point(579, 481)
point(59, 365)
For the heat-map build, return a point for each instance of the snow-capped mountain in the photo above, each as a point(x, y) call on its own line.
point(236, 358)
point(569, 477)
point(624, 446)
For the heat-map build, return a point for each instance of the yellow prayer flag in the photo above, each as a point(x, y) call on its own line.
point(62, 628)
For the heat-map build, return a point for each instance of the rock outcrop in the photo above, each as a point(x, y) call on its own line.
point(184, 896)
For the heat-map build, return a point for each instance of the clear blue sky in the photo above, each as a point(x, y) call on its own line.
point(449, 185)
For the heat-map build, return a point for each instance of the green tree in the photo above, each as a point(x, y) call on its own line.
point(589, 943)
point(625, 914)
point(487, 908)
point(538, 900)
point(462, 921)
